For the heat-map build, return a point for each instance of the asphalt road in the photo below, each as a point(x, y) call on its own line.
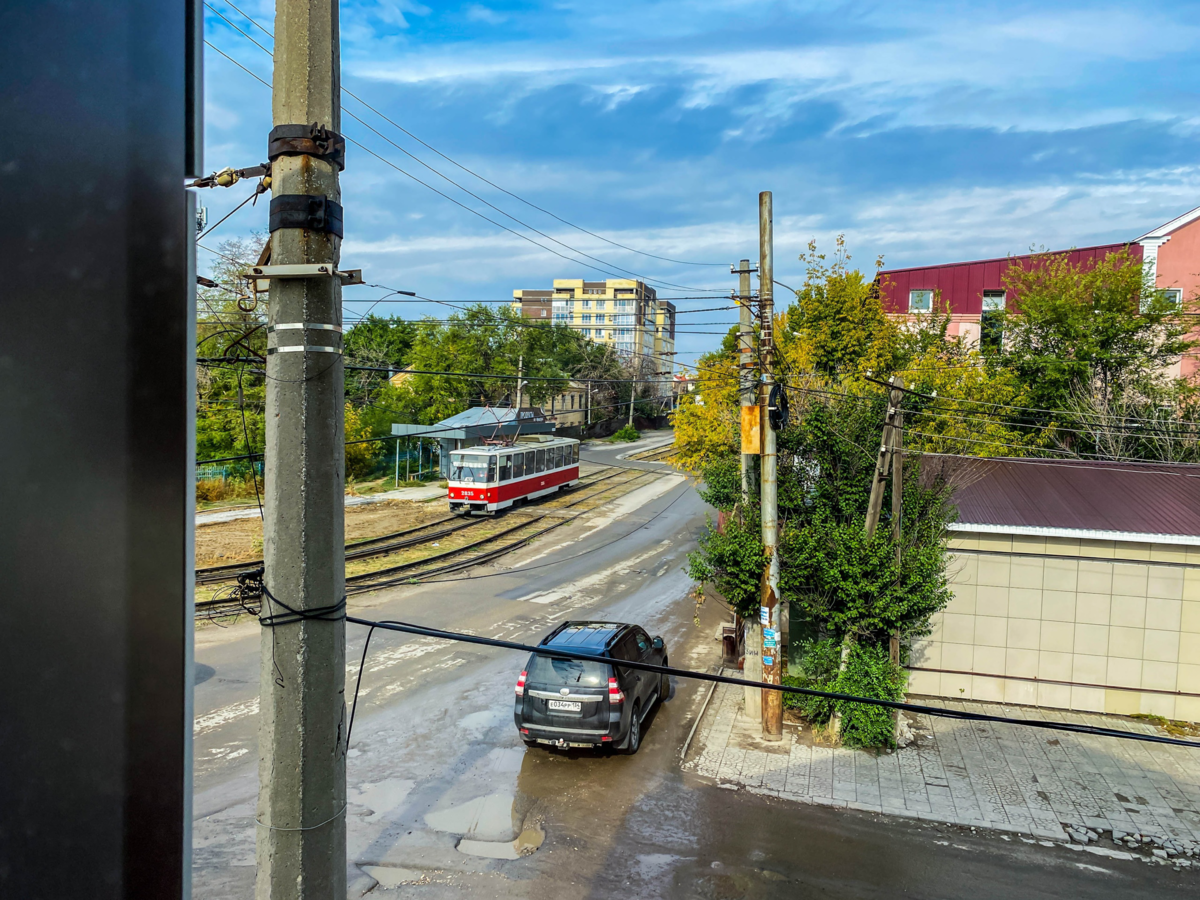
point(440, 784)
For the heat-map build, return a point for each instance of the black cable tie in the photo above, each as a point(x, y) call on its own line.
point(333, 613)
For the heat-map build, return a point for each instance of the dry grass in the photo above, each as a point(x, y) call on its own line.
point(241, 539)
point(1173, 727)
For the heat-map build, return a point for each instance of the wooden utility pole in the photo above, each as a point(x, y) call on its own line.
point(896, 396)
point(746, 380)
point(884, 457)
point(875, 505)
point(771, 620)
point(301, 816)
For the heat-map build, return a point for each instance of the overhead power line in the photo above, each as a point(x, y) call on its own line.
point(619, 272)
point(459, 165)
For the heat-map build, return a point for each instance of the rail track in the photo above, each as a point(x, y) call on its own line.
point(654, 454)
point(529, 524)
point(380, 545)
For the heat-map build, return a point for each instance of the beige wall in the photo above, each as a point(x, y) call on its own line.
point(1127, 625)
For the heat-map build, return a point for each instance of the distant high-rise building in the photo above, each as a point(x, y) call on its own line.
point(619, 312)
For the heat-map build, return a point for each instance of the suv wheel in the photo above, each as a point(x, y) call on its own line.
point(635, 731)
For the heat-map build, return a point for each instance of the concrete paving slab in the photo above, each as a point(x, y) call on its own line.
point(984, 775)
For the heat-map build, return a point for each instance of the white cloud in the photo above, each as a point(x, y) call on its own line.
point(477, 12)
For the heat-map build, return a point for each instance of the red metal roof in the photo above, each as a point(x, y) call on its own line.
point(1134, 498)
point(962, 284)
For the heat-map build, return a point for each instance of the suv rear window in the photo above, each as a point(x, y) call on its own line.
point(545, 670)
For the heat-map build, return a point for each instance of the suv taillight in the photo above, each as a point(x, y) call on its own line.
point(521, 684)
point(615, 694)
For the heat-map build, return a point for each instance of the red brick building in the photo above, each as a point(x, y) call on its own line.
point(973, 290)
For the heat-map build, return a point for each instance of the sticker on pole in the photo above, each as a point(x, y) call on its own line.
point(769, 643)
point(764, 615)
point(768, 660)
point(770, 634)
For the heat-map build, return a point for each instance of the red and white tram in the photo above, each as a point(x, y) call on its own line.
point(494, 476)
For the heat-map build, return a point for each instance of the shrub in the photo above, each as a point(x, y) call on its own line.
point(869, 672)
point(722, 487)
point(628, 433)
point(213, 490)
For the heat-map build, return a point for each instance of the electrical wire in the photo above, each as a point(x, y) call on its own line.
point(454, 162)
point(444, 195)
point(253, 194)
point(936, 711)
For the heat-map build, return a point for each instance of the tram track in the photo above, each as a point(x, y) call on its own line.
point(414, 537)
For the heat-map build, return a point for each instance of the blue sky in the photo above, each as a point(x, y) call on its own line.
point(927, 132)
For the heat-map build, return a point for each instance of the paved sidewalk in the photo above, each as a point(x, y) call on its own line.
point(1006, 777)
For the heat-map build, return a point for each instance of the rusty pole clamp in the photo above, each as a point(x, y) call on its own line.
point(307, 140)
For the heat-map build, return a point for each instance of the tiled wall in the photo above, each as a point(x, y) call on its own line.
point(1130, 625)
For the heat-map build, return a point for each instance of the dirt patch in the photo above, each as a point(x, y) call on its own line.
point(241, 539)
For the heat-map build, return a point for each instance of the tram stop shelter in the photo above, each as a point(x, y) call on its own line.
point(476, 425)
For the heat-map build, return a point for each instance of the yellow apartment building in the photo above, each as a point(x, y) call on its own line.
point(619, 312)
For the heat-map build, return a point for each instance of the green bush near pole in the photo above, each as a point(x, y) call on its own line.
point(869, 672)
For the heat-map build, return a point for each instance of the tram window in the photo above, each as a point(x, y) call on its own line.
point(541, 460)
point(518, 465)
point(473, 468)
point(575, 452)
point(529, 467)
point(505, 467)
point(555, 460)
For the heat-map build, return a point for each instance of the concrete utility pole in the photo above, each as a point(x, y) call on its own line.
point(746, 379)
point(301, 830)
point(772, 620)
point(520, 382)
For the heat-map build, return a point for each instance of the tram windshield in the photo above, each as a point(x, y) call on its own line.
point(472, 468)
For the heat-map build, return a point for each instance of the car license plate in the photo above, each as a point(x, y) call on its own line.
point(565, 705)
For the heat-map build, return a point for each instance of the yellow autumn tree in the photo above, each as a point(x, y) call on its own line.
point(360, 458)
point(707, 421)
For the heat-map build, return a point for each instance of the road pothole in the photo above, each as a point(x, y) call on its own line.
point(524, 844)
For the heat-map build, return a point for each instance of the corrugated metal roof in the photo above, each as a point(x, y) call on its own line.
point(1076, 496)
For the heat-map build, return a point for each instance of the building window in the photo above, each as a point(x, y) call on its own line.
point(1173, 296)
point(920, 301)
point(587, 304)
point(560, 317)
point(586, 318)
point(991, 322)
point(599, 304)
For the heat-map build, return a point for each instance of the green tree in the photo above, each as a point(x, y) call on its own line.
point(1099, 329)
point(230, 398)
point(837, 324)
point(376, 341)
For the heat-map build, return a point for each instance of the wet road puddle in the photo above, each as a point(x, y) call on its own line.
point(487, 818)
point(379, 798)
point(490, 826)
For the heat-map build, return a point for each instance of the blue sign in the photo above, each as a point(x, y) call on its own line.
point(764, 615)
point(769, 644)
point(768, 660)
point(770, 634)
